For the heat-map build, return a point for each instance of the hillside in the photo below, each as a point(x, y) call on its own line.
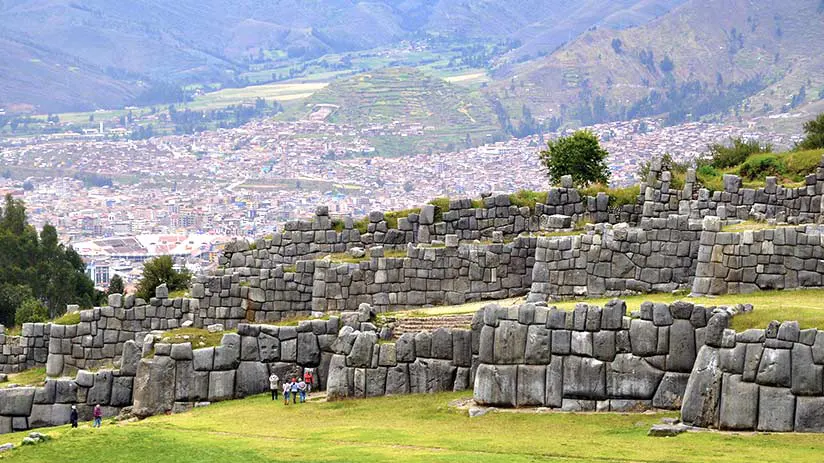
point(446, 113)
point(726, 52)
point(113, 46)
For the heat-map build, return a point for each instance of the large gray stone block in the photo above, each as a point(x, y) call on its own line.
point(122, 387)
point(776, 409)
point(682, 349)
point(442, 344)
point(227, 354)
point(496, 385)
point(376, 382)
point(701, 398)
point(268, 348)
point(510, 342)
point(203, 359)
point(462, 348)
point(16, 401)
point(252, 378)
point(670, 392)
point(807, 377)
point(739, 403)
point(643, 336)
point(308, 349)
point(555, 382)
point(538, 345)
point(531, 385)
point(101, 392)
point(361, 354)
point(397, 380)
point(808, 416)
point(46, 415)
point(221, 385)
point(154, 386)
point(431, 375)
point(130, 358)
point(405, 347)
point(584, 378)
point(774, 369)
point(630, 377)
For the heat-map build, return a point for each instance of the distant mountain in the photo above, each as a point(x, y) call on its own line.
point(731, 58)
point(81, 54)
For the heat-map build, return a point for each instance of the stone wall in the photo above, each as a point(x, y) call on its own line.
point(30, 349)
point(23, 408)
point(774, 258)
point(659, 255)
point(767, 380)
point(98, 340)
point(591, 359)
point(452, 274)
point(423, 362)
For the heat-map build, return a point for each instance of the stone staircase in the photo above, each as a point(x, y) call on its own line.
point(416, 324)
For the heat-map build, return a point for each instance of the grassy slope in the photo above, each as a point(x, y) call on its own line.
point(701, 51)
point(409, 428)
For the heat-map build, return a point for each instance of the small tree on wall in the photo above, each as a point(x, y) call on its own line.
point(158, 271)
point(116, 285)
point(579, 155)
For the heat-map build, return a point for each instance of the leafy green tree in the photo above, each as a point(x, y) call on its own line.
point(31, 311)
point(158, 271)
point(814, 131)
point(116, 285)
point(579, 155)
point(37, 266)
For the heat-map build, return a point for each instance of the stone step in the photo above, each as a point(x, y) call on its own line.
point(417, 324)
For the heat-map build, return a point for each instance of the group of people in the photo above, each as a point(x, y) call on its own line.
point(97, 414)
point(294, 388)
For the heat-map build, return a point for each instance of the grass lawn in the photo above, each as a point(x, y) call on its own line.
point(415, 428)
point(30, 377)
point(804, 305)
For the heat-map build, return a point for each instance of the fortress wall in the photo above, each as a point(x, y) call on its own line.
point(30, 349)
point(767, 380)
point(774, 258)
point(453, 274)
point(660, 255)
point(591, 359)
point(98, 340)
point(424, 362)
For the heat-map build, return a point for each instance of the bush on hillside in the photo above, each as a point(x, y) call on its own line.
point(814, 131)
point(723, 156)
point(31, 311)
point(763, 165)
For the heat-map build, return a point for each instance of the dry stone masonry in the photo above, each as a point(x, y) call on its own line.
point(765, 380)
point(590, 359)
point(594, 358)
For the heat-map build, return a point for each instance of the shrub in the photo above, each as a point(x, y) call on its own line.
point(68, 319)
point(763, 165)
point(528, 198)
point(814, 131)
point(617, 196)
point(31, 311)
point(735, 154)
point(710, 177)
point(337, 225)
point(361, 225)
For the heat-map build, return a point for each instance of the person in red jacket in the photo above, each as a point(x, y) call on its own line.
point(308, 378)
point(98, 416)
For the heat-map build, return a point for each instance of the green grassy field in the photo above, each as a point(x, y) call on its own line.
point(804, 305)
point(414, 428)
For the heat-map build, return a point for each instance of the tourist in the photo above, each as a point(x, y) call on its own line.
point(73, 416)
point(293, 388)
point(286, 388)
point(98, 416)
point(302, 391)
point(274, 386)
point(307, 378)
